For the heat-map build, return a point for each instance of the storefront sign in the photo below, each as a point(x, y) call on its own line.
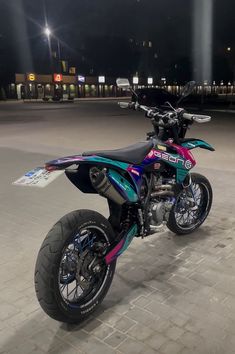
point(81, 78)
point(31, 77)
point(58, 77)
point(72, 70)
point(101, 79)
point(135, 80)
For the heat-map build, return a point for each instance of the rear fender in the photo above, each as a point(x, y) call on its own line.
point(195, 143)
point(65, 162)
point(79, 175)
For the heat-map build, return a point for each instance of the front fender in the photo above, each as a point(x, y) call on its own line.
point(195, 143)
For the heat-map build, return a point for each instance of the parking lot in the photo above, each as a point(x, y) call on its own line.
point(169, 295)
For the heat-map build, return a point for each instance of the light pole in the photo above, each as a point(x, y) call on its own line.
point(48, 33)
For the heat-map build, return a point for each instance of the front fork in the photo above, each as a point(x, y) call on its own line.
point(188, 187)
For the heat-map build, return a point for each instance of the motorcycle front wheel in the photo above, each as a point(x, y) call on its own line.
point(70, 280)
point(192, 206)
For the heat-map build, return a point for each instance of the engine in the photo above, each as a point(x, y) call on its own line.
point(162, 200)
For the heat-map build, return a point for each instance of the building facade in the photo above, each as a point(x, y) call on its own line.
point(68, 87)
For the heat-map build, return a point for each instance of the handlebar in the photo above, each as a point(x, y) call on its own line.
point(199, 118)
point(167, 118)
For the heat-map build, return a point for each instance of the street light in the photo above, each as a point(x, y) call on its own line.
point(47, 32)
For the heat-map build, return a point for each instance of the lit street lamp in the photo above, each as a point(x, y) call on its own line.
point(48, 33)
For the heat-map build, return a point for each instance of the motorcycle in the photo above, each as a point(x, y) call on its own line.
point(148, 186)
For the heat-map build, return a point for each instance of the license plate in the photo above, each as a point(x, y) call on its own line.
point(38, 177)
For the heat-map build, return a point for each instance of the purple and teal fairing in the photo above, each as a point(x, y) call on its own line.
point(182, 161)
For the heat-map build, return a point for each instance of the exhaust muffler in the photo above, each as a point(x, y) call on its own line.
point(104, 187)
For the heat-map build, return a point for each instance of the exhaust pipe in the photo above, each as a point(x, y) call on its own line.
point(103, 186)
point(163, 190)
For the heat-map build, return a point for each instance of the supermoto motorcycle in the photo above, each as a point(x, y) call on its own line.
point(147, 185)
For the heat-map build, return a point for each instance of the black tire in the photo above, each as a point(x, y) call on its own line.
point(174, 226)
point(48, 265)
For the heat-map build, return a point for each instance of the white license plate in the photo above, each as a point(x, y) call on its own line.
point(38, 177)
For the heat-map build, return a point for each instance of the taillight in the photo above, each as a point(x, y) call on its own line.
point(50, 168)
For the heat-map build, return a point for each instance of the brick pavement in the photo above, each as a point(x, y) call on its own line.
point(169, 295)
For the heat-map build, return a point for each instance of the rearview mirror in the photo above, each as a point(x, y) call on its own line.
point(123, 84)
point(188, 89)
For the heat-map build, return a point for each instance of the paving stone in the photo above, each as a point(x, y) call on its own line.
point(190, 340)
point(124, 324)
point(156, 341)
point(91, 324)
point(17, 319)
point(142, 301)
point(159, 296)
point(171, 347)
point(30, 327)
point(174, 332)
point(160, 325)
point(102, 331)
point(183, 281)
point(110, 317)
point(25, 348)
point(161, 310)
point(193, 325)
point(180, 320)
point(65, 349)
point(21, 350)
point(140, 332)
point(87, 343)
point(10, 339)
point(115, 339)
point(131, 346)
point(46, 340)
point(141, 316)
point(7, 310)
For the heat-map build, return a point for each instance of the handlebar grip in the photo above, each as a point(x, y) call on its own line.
point(199, 118)
point(188, 116)
point(123, 104)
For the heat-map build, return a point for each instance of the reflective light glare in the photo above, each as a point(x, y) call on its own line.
point(229, 49)
point(135, 80)
point(47, 31)
point(202, 46)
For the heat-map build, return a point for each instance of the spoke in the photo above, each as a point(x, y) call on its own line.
point(63, 287)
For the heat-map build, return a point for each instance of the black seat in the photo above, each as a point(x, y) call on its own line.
point(133, 154)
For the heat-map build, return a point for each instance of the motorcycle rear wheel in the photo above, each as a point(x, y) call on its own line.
point(66, 288)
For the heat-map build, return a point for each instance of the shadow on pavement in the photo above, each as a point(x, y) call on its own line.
point(142, 270)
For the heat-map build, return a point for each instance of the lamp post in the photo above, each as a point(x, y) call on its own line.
point(48, 33)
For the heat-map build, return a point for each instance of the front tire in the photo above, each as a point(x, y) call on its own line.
point(63, 262)
point(184, 219)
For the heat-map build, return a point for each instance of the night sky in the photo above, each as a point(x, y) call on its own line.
point(112, 37)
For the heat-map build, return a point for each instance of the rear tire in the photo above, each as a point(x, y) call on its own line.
point(203, 212)
point(50, 260)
